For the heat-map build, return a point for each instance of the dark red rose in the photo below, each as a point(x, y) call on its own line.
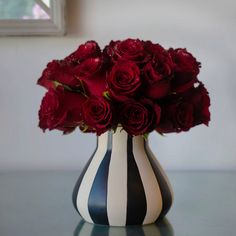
point(185, 111)
point(91, 76)
point(94, 85)
point(157, 72)
point(84, 51)
point(87, 77)
point(138, 118)
point(129, 50)
point(156, 86)
point(185, 71)
point(184, 116)
point(97, 114)
point(61, 110)
point(88, 67)
point(135, 83)
point(123, 80)
point(60, 72)
point(176, 117)
point(160, 59)
point(199, 98)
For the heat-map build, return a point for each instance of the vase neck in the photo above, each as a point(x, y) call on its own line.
point(120, 139)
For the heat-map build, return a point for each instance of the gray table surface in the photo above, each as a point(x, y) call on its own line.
point(39, 203)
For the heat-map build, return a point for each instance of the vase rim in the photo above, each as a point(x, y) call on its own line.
point(120, 129)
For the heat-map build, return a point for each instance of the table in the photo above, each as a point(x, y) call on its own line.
point(37, 203)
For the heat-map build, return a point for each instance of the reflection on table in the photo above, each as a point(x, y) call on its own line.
point(161, 228)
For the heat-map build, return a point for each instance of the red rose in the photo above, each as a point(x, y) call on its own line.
point(95, 85)
point(184, 116)
point(148, 86)
point(123, 80)
point(84, 51)
point(88, 67)
point(156, 86)
point(61, 110)
point(185, 111)
point(185, 71)
point(87, 77)
point(199, 98)
point(129, 50)
point(176, 117)
point(60, 72)
point(157, 73)
point(160, 59)
point(97, 114)
point(138, 118)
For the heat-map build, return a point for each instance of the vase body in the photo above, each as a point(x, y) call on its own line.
point(122, 183)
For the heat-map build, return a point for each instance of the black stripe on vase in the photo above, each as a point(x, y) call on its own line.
point(97, 202)
point(136, 199)
point(78, 183)
point(164, 188)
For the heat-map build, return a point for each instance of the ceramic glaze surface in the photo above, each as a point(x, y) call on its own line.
point(122, 183)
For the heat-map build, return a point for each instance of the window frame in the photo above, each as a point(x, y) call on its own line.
point(53, 26)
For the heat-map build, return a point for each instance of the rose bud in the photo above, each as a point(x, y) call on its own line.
point(138, 118)
point(97, 114)
point(60, 72)
point(61, 110)
point(123, 80)
point(84, 51)
point(185, 71)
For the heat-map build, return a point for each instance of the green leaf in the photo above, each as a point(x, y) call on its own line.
point(106, 94)
point(56, 84)
point(114, 128)
point(82, 86)
point(84, 128)
point(145, 136)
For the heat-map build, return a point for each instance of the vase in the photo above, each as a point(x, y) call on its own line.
point(122, 183)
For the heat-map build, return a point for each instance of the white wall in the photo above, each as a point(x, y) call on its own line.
point(206, 27)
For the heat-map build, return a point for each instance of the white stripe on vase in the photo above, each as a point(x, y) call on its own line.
point(117, 182)
point(86, 184)
point(151, 186)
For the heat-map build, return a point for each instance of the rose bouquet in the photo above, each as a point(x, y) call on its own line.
point(136, 84)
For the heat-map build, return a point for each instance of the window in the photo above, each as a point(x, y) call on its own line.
point(32, 17)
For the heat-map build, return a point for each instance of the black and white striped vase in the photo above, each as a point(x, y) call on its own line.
point(122, 183)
